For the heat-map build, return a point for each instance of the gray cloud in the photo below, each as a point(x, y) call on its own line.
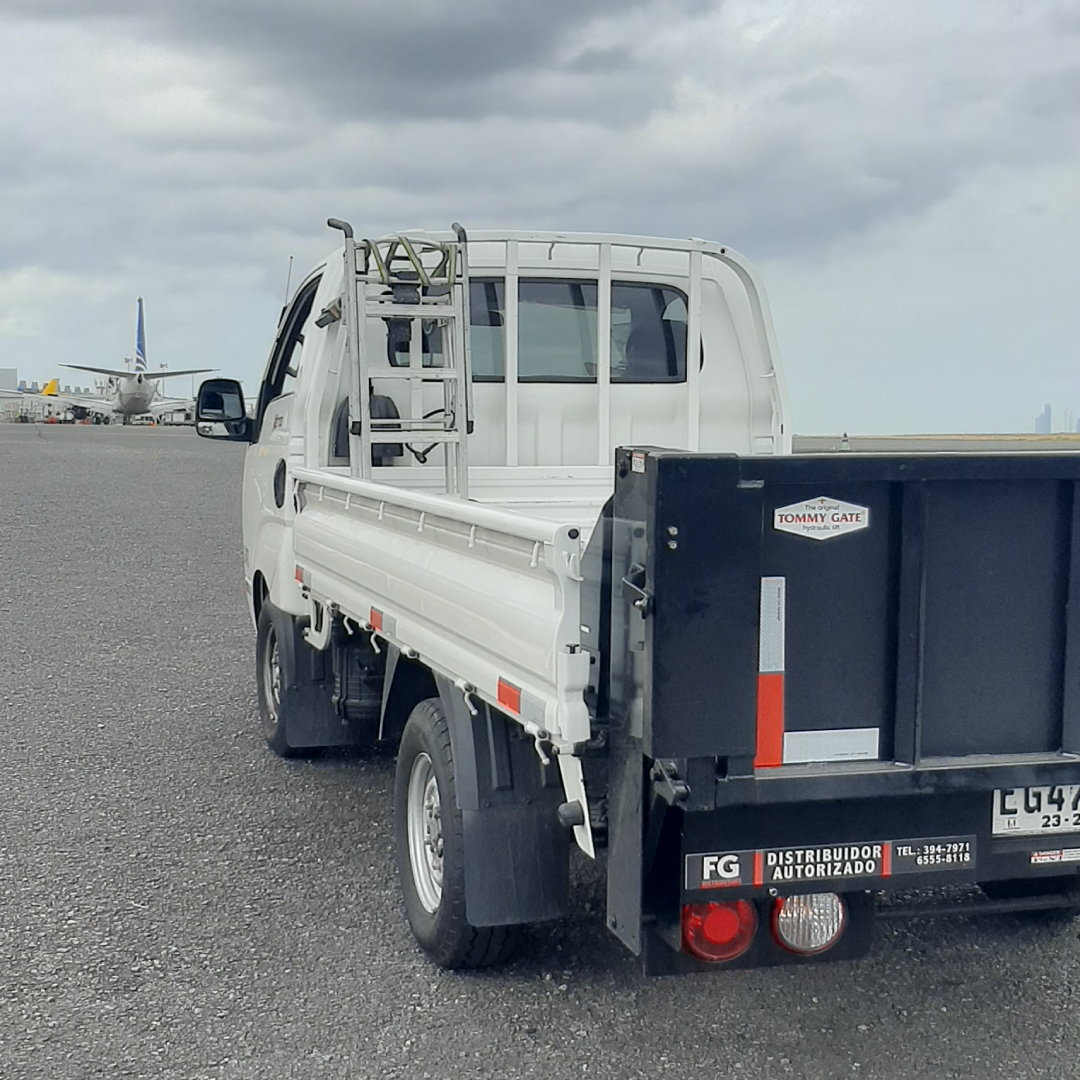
point(471, 58)
point(185, 150)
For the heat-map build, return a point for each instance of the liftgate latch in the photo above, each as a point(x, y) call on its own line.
point(666, 783)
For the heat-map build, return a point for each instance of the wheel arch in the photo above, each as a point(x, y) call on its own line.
point(259, 592)
point(405, 684)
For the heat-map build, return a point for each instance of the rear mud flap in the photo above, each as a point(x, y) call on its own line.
point(517, 854)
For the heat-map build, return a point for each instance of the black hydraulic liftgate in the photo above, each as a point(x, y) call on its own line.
point(822, 668)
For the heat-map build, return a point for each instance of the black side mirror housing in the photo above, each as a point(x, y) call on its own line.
point(220, 412)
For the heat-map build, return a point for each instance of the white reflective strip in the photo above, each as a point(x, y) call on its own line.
point(839, 744)
point(772, 619)
point(532, 708)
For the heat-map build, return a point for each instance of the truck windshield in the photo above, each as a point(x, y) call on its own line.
point(557, 331)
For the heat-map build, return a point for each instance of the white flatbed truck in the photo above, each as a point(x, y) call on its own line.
point(524, 505)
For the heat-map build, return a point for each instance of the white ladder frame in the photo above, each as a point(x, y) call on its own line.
point(454, 375)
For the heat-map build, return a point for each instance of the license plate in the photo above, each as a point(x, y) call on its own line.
point(1036, 811)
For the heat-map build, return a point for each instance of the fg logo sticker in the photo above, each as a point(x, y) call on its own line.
point(715, 871)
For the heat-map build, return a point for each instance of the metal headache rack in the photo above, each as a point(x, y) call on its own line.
point(418, 286)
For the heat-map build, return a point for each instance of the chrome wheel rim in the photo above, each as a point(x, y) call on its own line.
point(272, 678)
point(424, 818)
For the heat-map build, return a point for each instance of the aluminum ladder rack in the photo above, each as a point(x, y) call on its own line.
point(411, 282)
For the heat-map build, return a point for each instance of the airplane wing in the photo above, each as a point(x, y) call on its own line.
point(164, 405)
point(172, 374)
point(67, 401)
point(144, 374)
point(101, 371)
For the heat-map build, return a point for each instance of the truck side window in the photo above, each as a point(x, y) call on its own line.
point(648, 333)
point(284, 363)
point(486, 321)
point(556, 331)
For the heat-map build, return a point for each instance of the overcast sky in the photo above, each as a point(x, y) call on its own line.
point(906, 176)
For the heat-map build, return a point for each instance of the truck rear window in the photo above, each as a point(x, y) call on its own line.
point(557, 331)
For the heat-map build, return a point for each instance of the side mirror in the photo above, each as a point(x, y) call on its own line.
point(220, 411)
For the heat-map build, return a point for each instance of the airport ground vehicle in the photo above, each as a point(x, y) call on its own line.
point(524, 504)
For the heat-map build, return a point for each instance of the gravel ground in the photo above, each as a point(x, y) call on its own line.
point(176, 902)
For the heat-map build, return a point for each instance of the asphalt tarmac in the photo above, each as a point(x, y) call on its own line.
point(177, 902)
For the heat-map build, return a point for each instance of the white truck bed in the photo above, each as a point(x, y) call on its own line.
point(485, 591)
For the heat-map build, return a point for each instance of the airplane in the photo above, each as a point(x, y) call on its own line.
point(128, 393)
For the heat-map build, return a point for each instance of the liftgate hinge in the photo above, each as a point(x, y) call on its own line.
point(633, 589)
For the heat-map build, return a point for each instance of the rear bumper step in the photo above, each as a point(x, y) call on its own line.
point(978, 906)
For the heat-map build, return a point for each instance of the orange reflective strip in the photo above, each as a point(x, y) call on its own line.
point(375, 619)
point(759, 868)
point(886, 860)
point(509, 696)
point(770, 721)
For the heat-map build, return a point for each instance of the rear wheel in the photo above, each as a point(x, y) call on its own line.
point(272, 677)
point(430, 848)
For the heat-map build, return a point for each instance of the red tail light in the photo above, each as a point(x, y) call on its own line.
point(718, 931)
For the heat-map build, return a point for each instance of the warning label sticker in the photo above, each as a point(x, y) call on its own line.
point(1062, 855)
point(821, 518)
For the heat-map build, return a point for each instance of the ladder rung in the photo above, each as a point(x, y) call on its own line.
point(382, 435)
point(376, 279)
point(418, 374)
point(409, 425)
point(376, 309)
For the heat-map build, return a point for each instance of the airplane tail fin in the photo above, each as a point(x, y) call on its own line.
point(140, 341)
point(51, 388)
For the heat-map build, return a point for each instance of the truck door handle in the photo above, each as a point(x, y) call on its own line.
point(279, 484)
point(633, 589)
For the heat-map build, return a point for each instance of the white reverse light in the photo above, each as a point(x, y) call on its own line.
point(809, 924)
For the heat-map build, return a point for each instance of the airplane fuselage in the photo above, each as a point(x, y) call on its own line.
point(131, 396)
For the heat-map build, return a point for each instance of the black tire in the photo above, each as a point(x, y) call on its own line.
point(273, 713)
point(438, 919)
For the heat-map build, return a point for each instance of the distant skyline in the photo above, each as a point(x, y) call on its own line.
point(905, 177)
point(1056, 420)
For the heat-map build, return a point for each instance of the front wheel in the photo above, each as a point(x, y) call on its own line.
point(272, 677)
point(430, 846)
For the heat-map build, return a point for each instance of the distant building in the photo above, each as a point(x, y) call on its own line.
point(9, 378)
point(1042, 422)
